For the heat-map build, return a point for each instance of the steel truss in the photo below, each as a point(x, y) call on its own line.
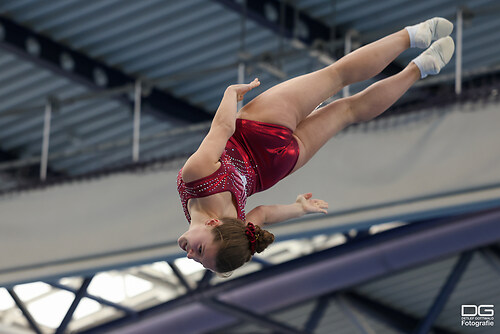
point(443, 237)
point(404, 247)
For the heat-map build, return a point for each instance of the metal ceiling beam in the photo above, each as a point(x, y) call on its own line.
point(182, 279)
point(266, 13)
point(204, 282)
point(389, 316)
point(82, 291)
point(250, 316)
point(355, 318)
point(85, 70)
point(20, 304)
point(445, 293)
point(317, 314)
point(316, 33)
point(26, 173)
point(311, 276)
point(127, 310)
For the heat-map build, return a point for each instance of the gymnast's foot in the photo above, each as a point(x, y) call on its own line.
point(432, 60)
point(422, 34)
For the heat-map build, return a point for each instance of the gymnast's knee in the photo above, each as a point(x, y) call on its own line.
point(341, 72)
point(356, 109)
point(351, 111)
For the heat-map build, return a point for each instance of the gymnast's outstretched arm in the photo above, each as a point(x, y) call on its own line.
point(205, 160)
point(271, 214)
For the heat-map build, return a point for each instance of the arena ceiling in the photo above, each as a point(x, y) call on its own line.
point(85, 58)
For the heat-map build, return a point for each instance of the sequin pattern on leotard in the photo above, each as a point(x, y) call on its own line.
point(256, 157)
point(234, 175)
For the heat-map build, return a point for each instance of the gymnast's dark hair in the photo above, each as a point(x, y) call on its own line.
point(235, 247)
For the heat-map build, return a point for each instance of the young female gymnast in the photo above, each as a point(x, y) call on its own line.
point(277, 133)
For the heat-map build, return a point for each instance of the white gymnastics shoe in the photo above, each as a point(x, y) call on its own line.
point(422, 34)
point(432, 60)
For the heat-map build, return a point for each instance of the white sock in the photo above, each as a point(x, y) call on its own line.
point(422, 34)
point(412, 30)
point(432, 60)
point(422, 66)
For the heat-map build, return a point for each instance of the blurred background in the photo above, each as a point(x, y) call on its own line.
point(102, 101)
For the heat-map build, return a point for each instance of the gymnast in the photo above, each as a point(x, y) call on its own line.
point(277, 133)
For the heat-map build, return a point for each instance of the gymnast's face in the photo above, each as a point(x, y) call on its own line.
point(198, 242)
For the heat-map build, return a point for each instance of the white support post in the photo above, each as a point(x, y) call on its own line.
point(241, 80)
point(137, 120)
point(458, 53)
point(347, 49)
point(45, 141)
point(243, 33)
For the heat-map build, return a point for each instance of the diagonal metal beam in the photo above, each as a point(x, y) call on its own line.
point(356, 319)
point(84, 70)
point(443, 296)
point(177, 272)
point(251, 317)
point(317, 314)
point(31, 321)
point(387, 315)
point(127, 310)
point(164, 282)
point(205, 280)
point(78, 297)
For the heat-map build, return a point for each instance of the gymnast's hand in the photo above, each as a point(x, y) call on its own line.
point(242, 89)
point(311, 205)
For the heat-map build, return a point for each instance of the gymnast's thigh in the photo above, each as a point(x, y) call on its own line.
point(269, 110)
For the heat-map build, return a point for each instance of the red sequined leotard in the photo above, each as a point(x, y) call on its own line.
point(256, 157)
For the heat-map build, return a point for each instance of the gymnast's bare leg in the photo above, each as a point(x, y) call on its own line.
point(292, 101)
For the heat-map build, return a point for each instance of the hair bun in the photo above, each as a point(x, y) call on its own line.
point(265, 238)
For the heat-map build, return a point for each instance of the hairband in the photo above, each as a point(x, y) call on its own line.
point(252, 237)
